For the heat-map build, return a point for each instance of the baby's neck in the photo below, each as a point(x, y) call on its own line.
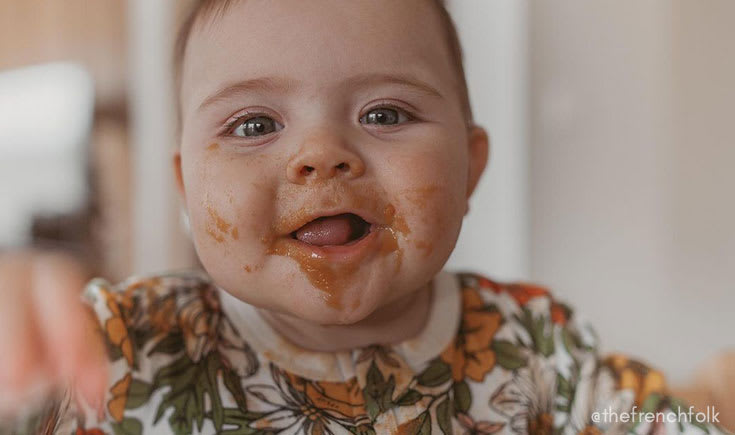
point(393, 323)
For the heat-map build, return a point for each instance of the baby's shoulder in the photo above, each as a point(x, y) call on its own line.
point(135, 288)
point(514, 298)
point(159, 309)
point(548, 355)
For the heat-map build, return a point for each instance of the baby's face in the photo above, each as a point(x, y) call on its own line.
point(325, 158)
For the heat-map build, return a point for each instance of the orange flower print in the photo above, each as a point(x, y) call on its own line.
point(343, 398)
point(116, 329)
point(637, 377)
point(528, 398)
point(542, 424)
point(119, 391)
point(287, 408)
point(485, 283)
point(559, 314)
point(94, 431)
point(199, 320)
point(524, 292)
point(470, 354)
point(162, 314)
point(473, 427)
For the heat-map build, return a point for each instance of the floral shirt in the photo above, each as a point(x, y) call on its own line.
point(494, 357)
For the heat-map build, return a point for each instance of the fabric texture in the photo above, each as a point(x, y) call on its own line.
point(494, 358)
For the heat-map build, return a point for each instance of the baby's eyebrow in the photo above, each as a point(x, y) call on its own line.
point(268, 84)
point(369, 79)
point(282, 85)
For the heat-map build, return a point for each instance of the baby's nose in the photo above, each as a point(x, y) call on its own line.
point(324, 162)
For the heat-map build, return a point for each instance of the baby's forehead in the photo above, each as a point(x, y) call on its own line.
point(320, 43)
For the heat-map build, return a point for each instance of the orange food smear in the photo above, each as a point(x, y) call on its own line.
point(217, 237)
point(221, 224)
point(252, 268)
point(213, 147)
point(427, 247)
point(421, 195)
point(389, 213)
point(399, 224)
point(330, 278)
point(333, 278)
point(218, 228)
point(391, 245)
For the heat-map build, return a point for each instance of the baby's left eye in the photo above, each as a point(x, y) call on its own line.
point(253, 126)
point(384, 116)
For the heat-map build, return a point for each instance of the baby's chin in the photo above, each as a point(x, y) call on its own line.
point(355, 299)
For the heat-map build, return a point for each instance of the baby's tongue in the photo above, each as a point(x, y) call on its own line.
point(332, 230)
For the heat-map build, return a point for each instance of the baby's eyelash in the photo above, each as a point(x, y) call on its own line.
point(409, 114)
point(235, 120)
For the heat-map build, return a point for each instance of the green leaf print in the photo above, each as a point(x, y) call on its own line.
point(436, 374)
point(651, 402)
point(543, 341)
point(138, 394)
point(189, 382)
point(564, 390)
point(362, 430)
point(213, 366)
point(462, 396)
point(242, 419)
point(232, 383)
point(128, 426)
point(444, 416)
point(409, 398)
point(378, 392)
point(508, 355)
point(170, 345)
point(425, 428)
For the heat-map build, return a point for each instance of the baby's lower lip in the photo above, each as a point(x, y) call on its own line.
point(347, 252)
point(337, 230)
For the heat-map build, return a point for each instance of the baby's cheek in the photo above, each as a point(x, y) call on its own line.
point(431, 199)
point(229, 211)
point(435, 218)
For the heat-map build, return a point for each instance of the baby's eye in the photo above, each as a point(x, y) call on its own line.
point(254, 126)
point(384, 116)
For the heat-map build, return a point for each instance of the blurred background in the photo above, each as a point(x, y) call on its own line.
point(611, 175)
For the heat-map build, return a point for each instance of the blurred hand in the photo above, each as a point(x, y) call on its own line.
point(47, 335)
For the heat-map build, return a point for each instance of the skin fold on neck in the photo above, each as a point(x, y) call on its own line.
point(392, 323)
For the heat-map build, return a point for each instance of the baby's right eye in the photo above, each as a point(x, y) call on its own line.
point(252, 126)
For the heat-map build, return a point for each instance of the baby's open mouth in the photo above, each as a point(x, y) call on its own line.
point(341, 229)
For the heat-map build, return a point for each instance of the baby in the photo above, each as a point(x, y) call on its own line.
point(327, 156)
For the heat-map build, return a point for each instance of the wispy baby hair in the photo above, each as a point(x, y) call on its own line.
point(212, 9)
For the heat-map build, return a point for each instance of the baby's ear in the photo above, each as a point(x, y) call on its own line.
point(176, 161)
point(479, 150)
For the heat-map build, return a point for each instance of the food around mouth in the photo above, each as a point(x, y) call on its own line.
point(330, 248)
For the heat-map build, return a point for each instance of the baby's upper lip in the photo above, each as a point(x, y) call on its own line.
point(292, 222)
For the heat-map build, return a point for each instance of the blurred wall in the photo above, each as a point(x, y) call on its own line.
point(495, 235)
point(89, 32)
point(92, 35)
point(159, 242)
point(632, 156)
